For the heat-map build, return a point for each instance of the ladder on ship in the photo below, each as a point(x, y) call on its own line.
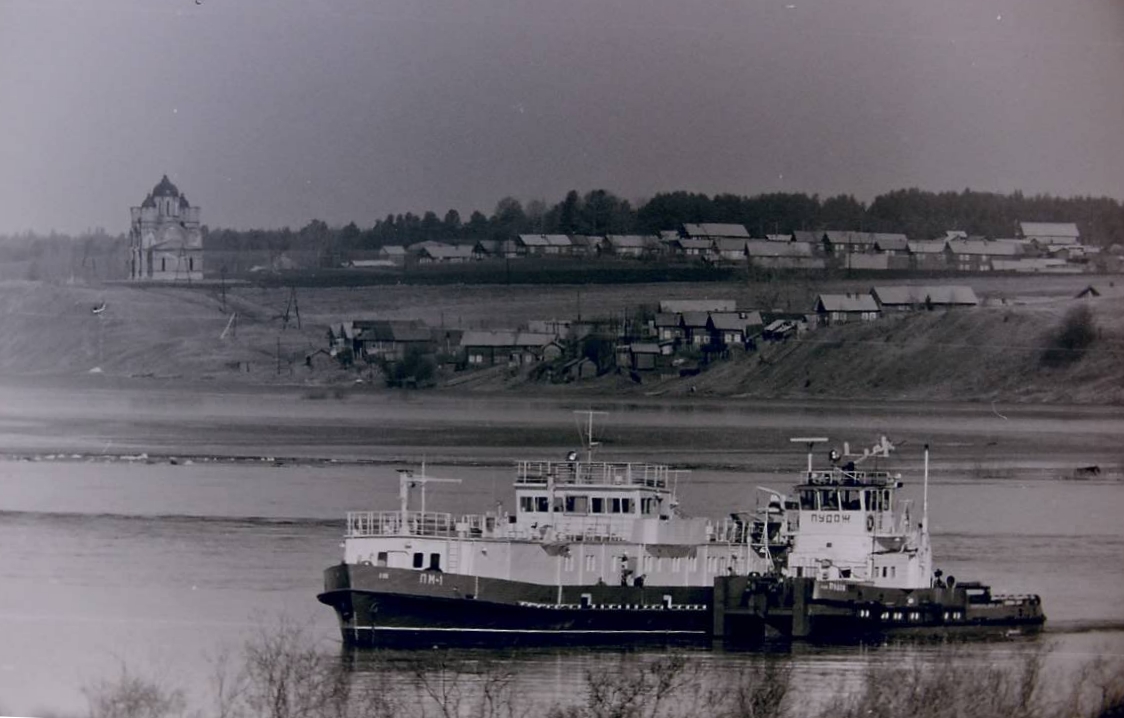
point(453, 559)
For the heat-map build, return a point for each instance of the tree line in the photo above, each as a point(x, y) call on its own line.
point(916, 213)
point(913, 212)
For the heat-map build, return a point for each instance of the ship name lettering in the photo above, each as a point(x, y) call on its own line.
point(383, 576)
point(830, 518)
point(430, 579)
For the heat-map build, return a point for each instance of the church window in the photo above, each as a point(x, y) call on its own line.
point(191, 264)
point(163, 260)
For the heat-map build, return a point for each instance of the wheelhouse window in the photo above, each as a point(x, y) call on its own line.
point(542, 504)
point(419, 559)
point(577, 504)
point(649, 505)
point(851, 500)
point(526, 504)
point(829, 500)
point(598, 505)
point(807, 500)
point(621, 506)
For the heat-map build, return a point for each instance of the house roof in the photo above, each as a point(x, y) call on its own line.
point(849, 238)
point(694, 243)
point(505, 338)
point(723, 321)
point(846, 303)
point(712, 230)
point(394, 250)
point(803, 236)
point(1055, 231)
point(865, 238)
point(895, 243)
point(448, 251)
point(983, 247)
point(695, 319)
point(933, 246)
point(698, 305)
point(779, 237)
point(667, 319)
point(545, 240)
point(644, 348)
point(729, 244)
point(956, 295)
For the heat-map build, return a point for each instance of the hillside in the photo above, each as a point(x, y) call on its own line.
point(990, 353)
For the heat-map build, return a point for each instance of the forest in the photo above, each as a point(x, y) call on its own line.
point(916, 213)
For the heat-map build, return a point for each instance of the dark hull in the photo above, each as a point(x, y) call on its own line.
point(380, 606)
point(395, 606)
point(749, 610)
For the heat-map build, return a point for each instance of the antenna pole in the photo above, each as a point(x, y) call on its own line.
point(925, 495)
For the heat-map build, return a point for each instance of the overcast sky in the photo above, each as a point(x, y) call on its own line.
point(273, 112)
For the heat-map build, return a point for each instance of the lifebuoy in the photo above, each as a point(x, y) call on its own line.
point(869, 522)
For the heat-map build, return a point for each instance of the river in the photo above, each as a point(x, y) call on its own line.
point(148, 526)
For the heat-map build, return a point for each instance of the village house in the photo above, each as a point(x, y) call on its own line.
point(445, 254)
point(782, 255)
point(713, 230)
point(692, 248)
point(975, 255)
point(845, 308)
point(909, 298)
point(629, 245)
point(543, 245)
point(730, 249)
point(695, 330)
point(1048, 234)
point(489, 348)
point(390, 340)
point(487, 249)
point(734, 329)
point(644, 356)
point(668, 327)
point(585, 245)
point(927, 255)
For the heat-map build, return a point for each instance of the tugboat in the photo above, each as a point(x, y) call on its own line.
point(599, 552)
point(849, 562)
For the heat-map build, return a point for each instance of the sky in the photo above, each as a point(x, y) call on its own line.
point(270, 113)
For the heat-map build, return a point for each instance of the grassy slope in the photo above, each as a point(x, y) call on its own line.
point(989, 353)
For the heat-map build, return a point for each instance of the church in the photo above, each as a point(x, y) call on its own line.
point(165, 239)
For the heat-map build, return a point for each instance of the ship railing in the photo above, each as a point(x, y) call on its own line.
point(839, 477)
point(541, 473)
point(389, 523)
point(728, 531)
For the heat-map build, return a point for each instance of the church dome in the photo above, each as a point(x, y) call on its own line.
point(165, 188)
point(148, 202)
point(183, 202)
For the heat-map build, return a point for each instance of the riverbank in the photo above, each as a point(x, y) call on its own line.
point(251, 339)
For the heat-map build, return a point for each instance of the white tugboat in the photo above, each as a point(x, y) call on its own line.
point(597, 551)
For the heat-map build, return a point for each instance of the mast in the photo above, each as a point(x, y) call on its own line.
point(925, 496)
point(587, 437)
